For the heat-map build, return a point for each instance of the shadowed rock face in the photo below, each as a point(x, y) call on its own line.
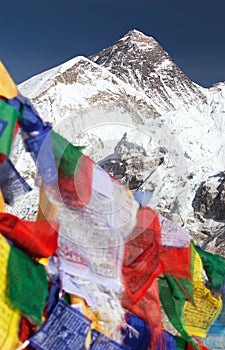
point(209, 200)
point(209, 209)
point(130, 163)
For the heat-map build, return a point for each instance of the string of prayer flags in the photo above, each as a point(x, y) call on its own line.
point(10, 318)
point(8, 88)
point(108, 250)
point(38, 239)
point(27, 278)
point(65, 329)
point(11, 183)
point(8, 119)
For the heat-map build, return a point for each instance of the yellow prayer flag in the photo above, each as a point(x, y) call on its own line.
point(46, 209)
point(199, 317)
point(4, 256)
point(10, 319)
point(8, 88)
point(2, 203)
point(9, 327)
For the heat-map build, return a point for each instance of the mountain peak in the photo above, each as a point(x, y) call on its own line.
point(141, 61)
point(139, 38)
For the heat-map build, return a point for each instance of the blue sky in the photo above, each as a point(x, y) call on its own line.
point(39, 34)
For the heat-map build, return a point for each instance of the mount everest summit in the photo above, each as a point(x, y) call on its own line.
point(145, 122)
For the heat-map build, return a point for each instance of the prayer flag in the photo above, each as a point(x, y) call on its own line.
point(173, 235)
point(11, 183)
point(166, 341)
point(9, 318)
point(148, 309)
point(137, 333)
point(28, 286)
point(74, 173)
point(214, 266)
point(8, 118)
point(141, 263)
point(38, 239)
point(173, 294)
point(8, 88)
point(47, 210)
point(65, 329)
point(198, 317)
point(2, 203)
point(40, 147)
point(100, 342)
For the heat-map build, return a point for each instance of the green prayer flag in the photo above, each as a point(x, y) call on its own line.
point(214, 266)
point(181, 343)
point(28, 286)
point(67, 155)
point(8, 118)
point(173, 294)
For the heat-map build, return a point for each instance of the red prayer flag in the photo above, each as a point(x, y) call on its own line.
point(37, 239)
point(27, 329)
point(75, 192)
point(141, 263)
point(176, 262)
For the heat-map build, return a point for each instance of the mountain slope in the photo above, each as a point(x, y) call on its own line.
point(79, 86)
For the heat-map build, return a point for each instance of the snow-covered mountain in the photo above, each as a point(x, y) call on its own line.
point(174, 128)
point(140, 61)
